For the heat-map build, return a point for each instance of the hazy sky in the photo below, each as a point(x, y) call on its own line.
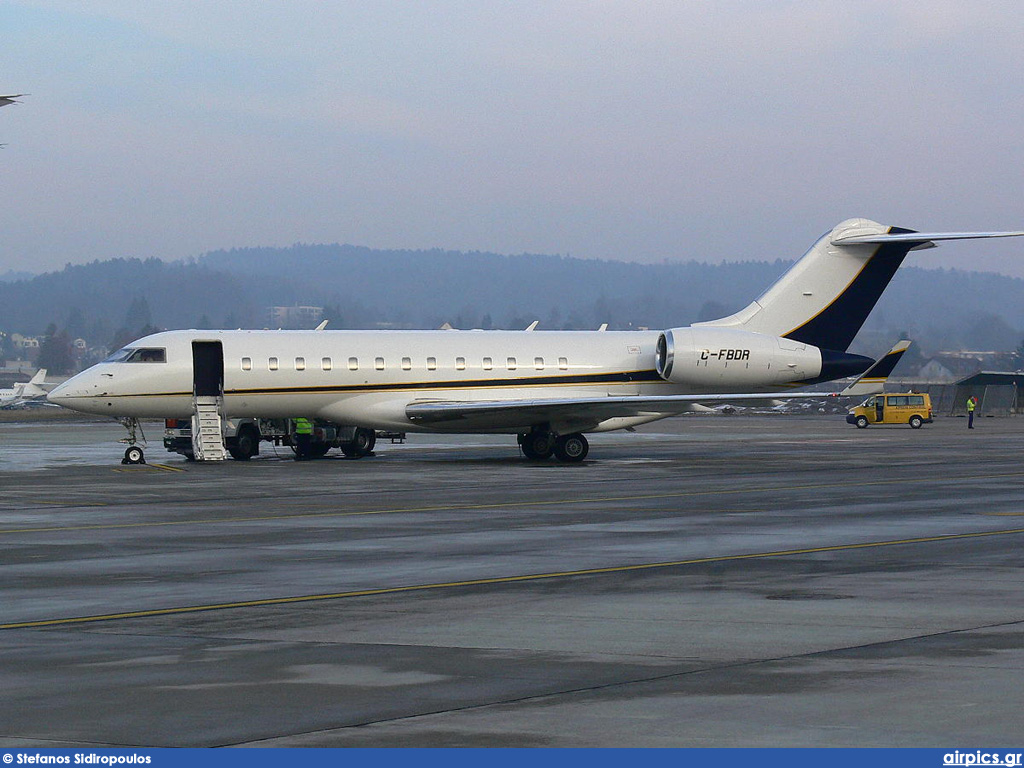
point(628, 130)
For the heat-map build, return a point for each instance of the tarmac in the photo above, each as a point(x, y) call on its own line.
point(708, 581)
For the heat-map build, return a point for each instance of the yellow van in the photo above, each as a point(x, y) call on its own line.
point(911, 408)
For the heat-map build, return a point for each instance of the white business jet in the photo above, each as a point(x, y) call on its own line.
point(547, 387)
point(24, 391)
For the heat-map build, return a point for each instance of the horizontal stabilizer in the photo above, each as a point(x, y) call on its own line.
point(917, 237)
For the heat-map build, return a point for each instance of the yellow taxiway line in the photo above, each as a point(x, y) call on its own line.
point(497, 580)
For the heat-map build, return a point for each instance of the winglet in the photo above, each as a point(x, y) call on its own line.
point(872, 381)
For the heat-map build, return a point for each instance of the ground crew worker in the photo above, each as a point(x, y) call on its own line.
point(971, 403)
point(303, 438)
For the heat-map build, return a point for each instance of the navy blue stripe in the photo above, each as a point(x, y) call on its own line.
point(837, 325)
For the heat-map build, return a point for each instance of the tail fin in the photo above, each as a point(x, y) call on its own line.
point(34, 386)
point(872, 381)
point(827, 295)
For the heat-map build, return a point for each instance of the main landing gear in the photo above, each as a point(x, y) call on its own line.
point(133, 454)
point(539, 446)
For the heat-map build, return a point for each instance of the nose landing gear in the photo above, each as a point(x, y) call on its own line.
point(133, 454)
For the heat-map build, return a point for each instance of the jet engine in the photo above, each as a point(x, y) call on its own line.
point(732, 360)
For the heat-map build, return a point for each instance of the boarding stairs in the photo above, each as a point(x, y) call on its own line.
point(207, 429)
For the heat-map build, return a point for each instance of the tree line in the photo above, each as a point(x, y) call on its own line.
point(109, 303)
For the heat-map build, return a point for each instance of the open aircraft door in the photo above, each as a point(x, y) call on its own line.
point(207, 369)
point(208, 399)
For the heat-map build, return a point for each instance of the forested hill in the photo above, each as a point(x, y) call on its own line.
point(365, 288)
point(941, 308)
point(426, 288)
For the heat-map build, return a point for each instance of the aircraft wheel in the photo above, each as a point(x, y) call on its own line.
point(537, 446)
point(133, 455)
point(915, 422)
point(571, 448)
point(862, 422)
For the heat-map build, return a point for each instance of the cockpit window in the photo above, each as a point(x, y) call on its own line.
point(138, 355)
point(148, 355)
point(121, 355)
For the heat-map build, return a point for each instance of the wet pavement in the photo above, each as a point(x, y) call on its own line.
point(707, 581)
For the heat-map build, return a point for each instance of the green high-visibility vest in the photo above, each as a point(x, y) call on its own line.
point(303, 427)
point(970, 404)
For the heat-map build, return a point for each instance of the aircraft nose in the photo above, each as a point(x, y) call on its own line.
point(70, 394)
point(59, 394)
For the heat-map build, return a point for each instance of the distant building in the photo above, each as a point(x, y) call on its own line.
point(935, 372)
point(965, 362)
point(294, 317)
point(24, 342)
point(999, 393)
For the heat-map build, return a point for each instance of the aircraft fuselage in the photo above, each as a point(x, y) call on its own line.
point(368, 378)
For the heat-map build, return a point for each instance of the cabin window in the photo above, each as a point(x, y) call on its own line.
point(538, 363)
point(378, 363)
point(460, 363)
point(431, 363)
point(326, 364)
point(246, 363)
point(300, 363)
point(272, 363)
point(563, 363)
point(488, 364)
point(353, 363)
point(406, 364)
point(511, 363)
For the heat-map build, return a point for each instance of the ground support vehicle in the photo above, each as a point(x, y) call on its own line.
point(913, 408)
point(242, 437)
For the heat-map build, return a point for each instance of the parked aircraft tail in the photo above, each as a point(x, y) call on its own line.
point(827, 295)
point(34, 386)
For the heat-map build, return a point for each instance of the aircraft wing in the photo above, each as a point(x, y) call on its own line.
point(586, 413)
point(10, 98)
point(580, 413)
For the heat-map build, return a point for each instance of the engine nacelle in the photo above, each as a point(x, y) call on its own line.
point(712, 359)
